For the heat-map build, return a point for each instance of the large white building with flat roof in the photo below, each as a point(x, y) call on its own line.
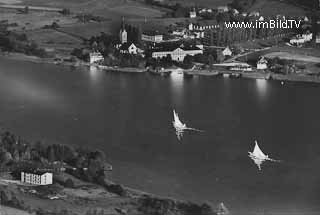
point(154, 37)
point(177, 54)
point(37, 178)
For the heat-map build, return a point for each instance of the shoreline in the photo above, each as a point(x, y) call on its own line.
point(247, 75)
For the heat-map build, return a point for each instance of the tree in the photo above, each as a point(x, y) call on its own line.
point(187, 61)
point(5, 157)
point(69, 183)
point(211, 60)
point(26, 9)
point(65, 11)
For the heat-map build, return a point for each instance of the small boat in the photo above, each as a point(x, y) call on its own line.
point(259, 157)
point(179, 126)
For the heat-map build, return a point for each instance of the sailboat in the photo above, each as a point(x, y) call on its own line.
point(179, 126)
point(259, 157)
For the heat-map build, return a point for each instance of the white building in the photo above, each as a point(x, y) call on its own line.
point(307, 36)
point(300, 39)
point(198, 28)
point(178, 54)
point(154, 37)
point(130, 48)
point(222, 9)
point(205, 10)
point(227, 52)
point(235, 12)
point(193, 14)
point(37, 178)
point(254, 13)
point(95, 57)
point(262, 63)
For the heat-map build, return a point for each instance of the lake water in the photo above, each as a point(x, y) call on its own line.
point(129, 117)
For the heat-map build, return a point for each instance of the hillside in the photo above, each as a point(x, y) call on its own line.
point(274, 7)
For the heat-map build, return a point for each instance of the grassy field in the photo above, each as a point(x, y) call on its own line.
point(87, 30)
point(55, 42)
point(105, 8)
point(34, 20)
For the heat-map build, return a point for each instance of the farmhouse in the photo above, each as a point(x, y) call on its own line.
point(36, 178)
point(130, 48)
point(177, 54)
point(262, 63)
point(227, 52)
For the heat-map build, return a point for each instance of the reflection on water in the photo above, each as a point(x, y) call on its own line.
point(176, 81)
point(94, 73)
point(29, 91)
point(262, 87)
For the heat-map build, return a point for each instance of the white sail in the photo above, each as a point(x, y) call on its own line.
point(177, 123)
point(179, 126)
point(257, 152)
point(259, 157)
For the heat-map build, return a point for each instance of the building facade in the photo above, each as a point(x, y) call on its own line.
point(177, 54)
point(227, 52)
point(95, 57)
point(37, 178)
point(262, 63)
point(153, 37)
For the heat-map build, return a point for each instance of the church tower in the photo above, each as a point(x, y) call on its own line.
point(123, 33)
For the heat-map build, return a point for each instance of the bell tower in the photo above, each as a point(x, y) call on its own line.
point(123, 33)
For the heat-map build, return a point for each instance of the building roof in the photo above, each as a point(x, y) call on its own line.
point(205, 22)
point(152, 33)
point(262, 61)
point(172, 47)
point(126, 46)
point(37, 172)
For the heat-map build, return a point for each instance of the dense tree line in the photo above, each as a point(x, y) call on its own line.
point(18, 42)
point(242, 5)
point(19, 155)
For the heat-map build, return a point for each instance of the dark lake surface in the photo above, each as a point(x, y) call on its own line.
point(129, 117)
